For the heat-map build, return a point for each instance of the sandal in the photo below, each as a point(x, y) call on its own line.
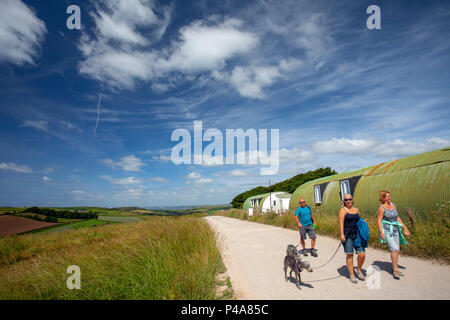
point(360, 275)
point(396, 275)
point(353, 280)
point(401, 274)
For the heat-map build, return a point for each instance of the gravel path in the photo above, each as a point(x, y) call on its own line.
point(253, 254)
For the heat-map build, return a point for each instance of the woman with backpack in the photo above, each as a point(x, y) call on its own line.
point(348, 222)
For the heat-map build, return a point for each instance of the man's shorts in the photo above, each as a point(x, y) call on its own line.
point(307, 229)
point(349, 246)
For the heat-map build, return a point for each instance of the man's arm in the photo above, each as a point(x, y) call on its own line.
point(298, 221)
point(312, 218)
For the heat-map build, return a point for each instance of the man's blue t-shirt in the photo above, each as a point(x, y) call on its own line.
point(304, 215)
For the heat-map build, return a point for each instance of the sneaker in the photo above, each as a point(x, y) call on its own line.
point(313, 252)
point(304, 252)
point(353, 280)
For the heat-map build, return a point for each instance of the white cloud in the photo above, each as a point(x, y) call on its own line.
point(238, 173)
point(344, 145)
point(290, 64)
point(249, 81)
point(14, 167)
point(202, 181)
point(162, 157)
point(120, 52)
point(114, 66)
point(197, 178)
point(49, 170)
point(116, 53)
point(128, 163)
point(21, 33)
point(194, 175)
point(46, 179)
point(295, 155)
point(397, 147)
point(123, 181)
point(207, 47)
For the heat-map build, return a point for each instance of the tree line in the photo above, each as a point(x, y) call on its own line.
point(288, 185)
point(62, 213)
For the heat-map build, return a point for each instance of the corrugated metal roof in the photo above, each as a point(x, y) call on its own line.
point(263, 197)
point(420, 182)
point(246, 204)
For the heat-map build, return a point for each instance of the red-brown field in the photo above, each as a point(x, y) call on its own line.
point(12, 225)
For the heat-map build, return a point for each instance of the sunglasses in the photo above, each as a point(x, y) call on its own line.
point(348, 199)
point(302, 202)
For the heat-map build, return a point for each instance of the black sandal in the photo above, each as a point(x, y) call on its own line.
point(396, 275)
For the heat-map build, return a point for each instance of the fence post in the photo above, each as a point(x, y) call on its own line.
point(410, 217)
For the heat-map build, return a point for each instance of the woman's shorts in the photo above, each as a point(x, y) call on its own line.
point(392, 240)
point(349, 246)
point(308, 229)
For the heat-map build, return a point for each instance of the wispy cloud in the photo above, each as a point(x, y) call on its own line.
point(11, 166)
point(197, 179)
point(37, 124)
point(123, 181)
point(127, 163)
point(159, 179)
point(21, 33)
point(397, 147)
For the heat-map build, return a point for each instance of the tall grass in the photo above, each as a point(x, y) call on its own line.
point(429, 236)
point(160, 258)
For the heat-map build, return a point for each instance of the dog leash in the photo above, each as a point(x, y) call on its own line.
point(340, 243)
point(323, 279)
point(325, 265)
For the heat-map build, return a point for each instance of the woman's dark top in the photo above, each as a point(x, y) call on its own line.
point(350, 222)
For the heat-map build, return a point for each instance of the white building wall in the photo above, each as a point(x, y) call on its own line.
point(266, 206)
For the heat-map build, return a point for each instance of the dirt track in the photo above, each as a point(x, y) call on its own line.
point(253, 254)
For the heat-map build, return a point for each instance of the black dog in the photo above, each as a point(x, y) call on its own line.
point(296, 265)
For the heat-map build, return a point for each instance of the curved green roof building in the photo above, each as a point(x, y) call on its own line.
point(260, 198)
point(280, 201)
point(420, 183)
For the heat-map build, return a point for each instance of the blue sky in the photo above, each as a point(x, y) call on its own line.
point(87, 115)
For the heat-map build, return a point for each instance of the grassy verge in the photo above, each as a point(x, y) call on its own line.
point(429, 238)
point(159, 258)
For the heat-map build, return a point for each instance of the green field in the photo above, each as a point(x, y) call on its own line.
point(111, 218)
point(76, 225)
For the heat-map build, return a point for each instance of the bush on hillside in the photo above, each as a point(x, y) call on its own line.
point(62, 213)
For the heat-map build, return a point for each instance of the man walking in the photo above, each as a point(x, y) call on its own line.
point(305, 219)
